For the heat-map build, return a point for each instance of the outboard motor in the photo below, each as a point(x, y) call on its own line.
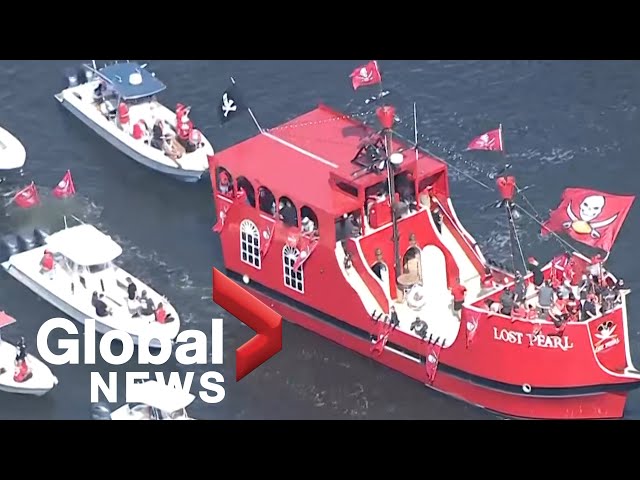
point(72, 78)
point(27, 241)
point(8, 246)
point(100, 411)
point(40, 235)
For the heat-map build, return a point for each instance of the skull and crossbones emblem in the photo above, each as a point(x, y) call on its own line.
point(590, 209)
point(365, 74)
point(484, 141)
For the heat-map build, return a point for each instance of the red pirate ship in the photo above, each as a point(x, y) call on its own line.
point(350, 232)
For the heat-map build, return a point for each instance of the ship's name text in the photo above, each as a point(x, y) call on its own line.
point(539, 340)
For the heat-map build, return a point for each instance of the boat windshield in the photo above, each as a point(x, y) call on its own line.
point(99, 268)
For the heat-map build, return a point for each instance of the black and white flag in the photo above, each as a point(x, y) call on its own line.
point(231, 104)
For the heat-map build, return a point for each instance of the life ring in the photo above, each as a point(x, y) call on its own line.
point(526, 388)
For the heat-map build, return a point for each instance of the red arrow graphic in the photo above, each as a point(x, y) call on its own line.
point(256, 315)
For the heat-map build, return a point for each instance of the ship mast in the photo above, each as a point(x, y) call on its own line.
point(387, 116)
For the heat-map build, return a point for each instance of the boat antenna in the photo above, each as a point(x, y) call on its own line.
point(93, 63)
point(255, 120)
point(387, 117)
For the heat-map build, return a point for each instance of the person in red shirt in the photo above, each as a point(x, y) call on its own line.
point(47, 263)
point(161, 315)
point(458, 291)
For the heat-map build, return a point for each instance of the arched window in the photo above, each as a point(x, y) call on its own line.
point(312, 224)
point(267, 201)
point(287, 212)
point(250, 244)
point(294, 279)
point(244, 184)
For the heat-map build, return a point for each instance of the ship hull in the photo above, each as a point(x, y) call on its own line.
point(593, 402)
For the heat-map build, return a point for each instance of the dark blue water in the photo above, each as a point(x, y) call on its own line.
point(566, 123)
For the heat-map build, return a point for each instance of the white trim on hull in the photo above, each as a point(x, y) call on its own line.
point(189, 176)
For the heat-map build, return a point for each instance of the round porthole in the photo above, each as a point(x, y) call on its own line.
point(526, 388)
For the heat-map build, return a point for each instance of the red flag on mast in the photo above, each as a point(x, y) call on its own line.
point(27, 197)
point(589, 216)
point(366, 75)
point(65, 187)
point(492, 141)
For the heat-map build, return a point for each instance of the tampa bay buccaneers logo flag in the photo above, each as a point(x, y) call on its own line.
point(589, 216)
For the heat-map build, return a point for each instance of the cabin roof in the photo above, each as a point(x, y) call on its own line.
point(84, 245)
point(162, 397)
point(296, 159)
point(119, 75)
point(6, 320)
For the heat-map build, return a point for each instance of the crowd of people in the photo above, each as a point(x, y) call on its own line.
point(565, 295)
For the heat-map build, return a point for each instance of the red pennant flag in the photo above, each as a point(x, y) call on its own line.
point(384, 330)
point(366, 75)
point(589, 216)
point(27, 197)
point(306, 246)
point(471, 320)
point(432, 360)
point(268, 234)
point(492, 140)
point(65, 188)
point(222, 216)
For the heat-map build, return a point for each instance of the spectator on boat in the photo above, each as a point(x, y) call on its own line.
point(379, 267)
point(437, 218)
point(146, 304)
point(47, 264)
point(507, 301)
point(94, 299)
point(608, 299)
point(98, 92)
point(288, 213)
point(194, 141)
point(492, 306)
point(520, 288)
point(308, 226)
point(585, 284)
point(161, 315)
point(132, 289)
point(518, 312)
point(573, 308)
point(394, 321)
point(617, 290)
point(458, 291)
point(102, 310)
point(558, 313)
point(486, 282)
point(595, 269)
point(545, 296)
point(565, 289)
point(22, 371)
point(532, 312)
point(589, 308)
point(162, 139)
point(21, 349)
point(534, 267)
point(141, 131)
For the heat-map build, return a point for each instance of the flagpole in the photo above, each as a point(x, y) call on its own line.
point(255, 120)
point(415, 128)
point(504, 152)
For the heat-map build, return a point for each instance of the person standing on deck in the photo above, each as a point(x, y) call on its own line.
point(534, 267)
point(545, 297)
point(458, 291)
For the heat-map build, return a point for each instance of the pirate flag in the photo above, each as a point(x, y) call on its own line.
point(231, 104)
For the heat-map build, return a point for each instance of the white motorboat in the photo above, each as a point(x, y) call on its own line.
point(99, 96)
point(41, 380)
point(12, 152)
point(156, 402)
point(84, 264)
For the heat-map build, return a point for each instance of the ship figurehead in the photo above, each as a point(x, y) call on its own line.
point(589, 211)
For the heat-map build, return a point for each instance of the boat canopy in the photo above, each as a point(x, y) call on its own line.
point(84, 245)
point(6, 320)
point(130, 80)
point(162, 397)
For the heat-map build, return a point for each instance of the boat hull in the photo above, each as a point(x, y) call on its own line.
point(66, 307)
point(188, 176)
point(572, 404)
point(41, 383)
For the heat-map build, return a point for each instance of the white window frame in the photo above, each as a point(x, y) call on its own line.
point(250, 240)
point(289, 256)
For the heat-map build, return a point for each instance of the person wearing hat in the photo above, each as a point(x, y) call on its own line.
point(534, 267)
point(595, 269)
point(224, 186)
point(307, 226)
